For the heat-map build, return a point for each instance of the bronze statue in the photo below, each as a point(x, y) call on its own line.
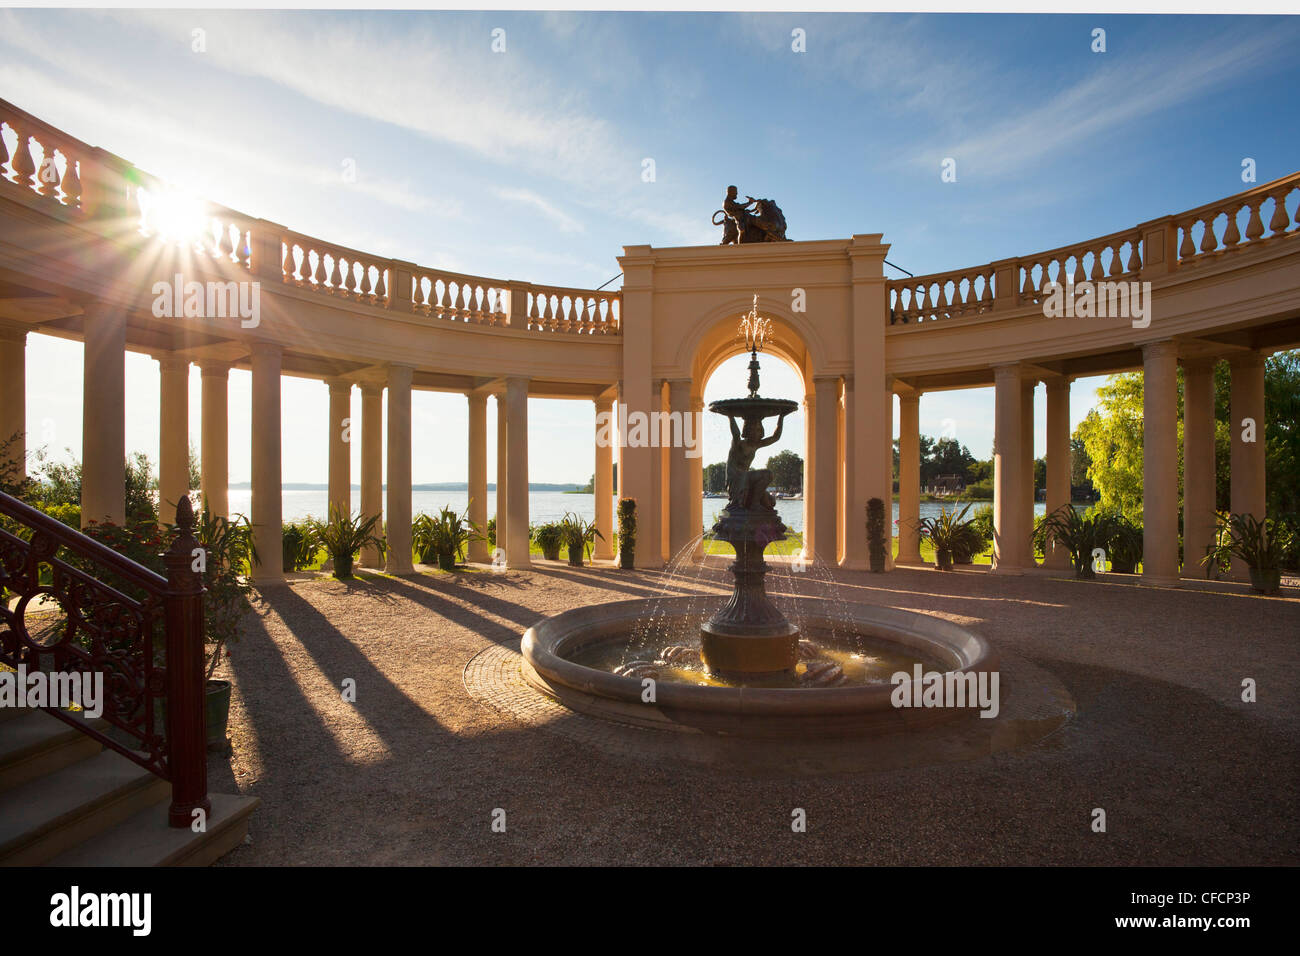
point(748, 489)
point(765, 223)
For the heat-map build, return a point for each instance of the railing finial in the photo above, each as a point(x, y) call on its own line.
point(185, 514)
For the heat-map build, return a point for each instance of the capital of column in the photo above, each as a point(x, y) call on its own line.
point(1006, 374)
point(1202, 363)
point(170, 361)
point(372, 389)
point(265, 349)
point(211, 369)
point(1160, 349)
point(1058, 383)
point(12, 334)
point(338, 384)
point(1250, 359)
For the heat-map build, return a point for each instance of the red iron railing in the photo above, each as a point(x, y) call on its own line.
point(143, 632)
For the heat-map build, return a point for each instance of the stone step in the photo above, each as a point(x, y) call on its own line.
point(48, 816)
point(36, 743)
point(145, 839)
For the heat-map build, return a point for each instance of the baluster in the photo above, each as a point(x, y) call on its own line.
point(286, 261)
point(986, 297)
point(1097, 271)
point(1230, 235)
point(71, 184)
point(1116, 266)
point(382, 287)
point(227, 244)
point(927, 307)
point(4, 153)
point(316, 263)
point(368, 279)
point(467, 301)
point(1209, 241)
point(556, 308)
point(360, 274)
point(24, 166)
point(1277, 225)
point(1135, 254)
point(1188, 248)
point(1254, 225)
point(1027, 291)
point(1079, 275)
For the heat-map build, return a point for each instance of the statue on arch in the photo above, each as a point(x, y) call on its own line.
point(763, 223)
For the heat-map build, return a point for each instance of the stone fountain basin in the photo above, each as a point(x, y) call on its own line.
point(745, 711)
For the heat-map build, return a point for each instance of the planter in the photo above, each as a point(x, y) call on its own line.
point(447, 561)
point(962, 557)
point(1266, 580)
point(1120, 566)
point(217, 701)
point(943, 559)
point(342, 565)
point(575, 556)
point(626, 559)
point(551, 553)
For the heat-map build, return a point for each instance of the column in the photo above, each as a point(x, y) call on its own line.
point(340, 449)
point(1246, 461)
point(103, 417)
point(1058, 462)
point(398, 560)
point(1199, 477)
point(809, 471)
point(517, 474)
point(478, 549)
point(872, 418)
point(1029, 495)
point(826, 389)
point(13, 402)
point(1160, 462)
point(697, 481)
point(503, 460)
point(855, 504)
point(173, 434)
point(267, 484)
point(603, 485)
point(1010, 536)
point(372, 462)
point(679, 472)
point(214, 443)
point(841, 495)
point(909, 478)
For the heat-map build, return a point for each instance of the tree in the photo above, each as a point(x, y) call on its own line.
point(1079, 463)
point(715, 478)
point(787, 471)
point(196, 473)
point(1112, 437)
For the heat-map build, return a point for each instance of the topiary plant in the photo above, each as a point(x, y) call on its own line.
point(627, 533)
point(876, 534)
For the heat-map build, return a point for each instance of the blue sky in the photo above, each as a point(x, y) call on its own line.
point(527, 164)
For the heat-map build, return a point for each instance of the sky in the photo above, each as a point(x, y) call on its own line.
point(527, 163)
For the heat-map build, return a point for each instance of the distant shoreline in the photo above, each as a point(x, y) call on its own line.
point(438, 486)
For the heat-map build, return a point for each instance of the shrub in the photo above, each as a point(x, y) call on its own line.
point(550, 538)
point(579, 535)
point(876, 534)
point(343, 536)
point(947, 533)
point(626, 533)
point(1080, 535)
point(298, 545)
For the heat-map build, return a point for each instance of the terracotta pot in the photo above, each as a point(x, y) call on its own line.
point(1266, 580)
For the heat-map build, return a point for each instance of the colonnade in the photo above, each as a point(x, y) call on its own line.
point(1014, 493)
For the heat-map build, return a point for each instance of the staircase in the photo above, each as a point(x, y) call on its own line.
point(66, 800)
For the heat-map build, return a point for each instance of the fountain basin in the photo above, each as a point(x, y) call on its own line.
point(549, 649)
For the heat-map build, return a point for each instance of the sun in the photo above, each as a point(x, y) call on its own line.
point(174, 215)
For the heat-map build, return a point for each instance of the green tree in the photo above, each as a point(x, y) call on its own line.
point(1112, 437)
point(715, 478)
point(787, 471)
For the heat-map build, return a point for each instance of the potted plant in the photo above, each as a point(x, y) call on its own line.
point(550, 538)
point(1080, 535)
point(969, 541)
point(298, 546)
point(343, 536)
point(626, 533)
point(424, 539)
point(876, 534)
point(946, 533)
point(579, 535)
point(1125, 549)
point(1259, 544)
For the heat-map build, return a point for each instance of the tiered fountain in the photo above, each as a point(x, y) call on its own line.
point(747, 668)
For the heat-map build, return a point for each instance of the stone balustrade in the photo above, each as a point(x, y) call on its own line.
point(1203, 239)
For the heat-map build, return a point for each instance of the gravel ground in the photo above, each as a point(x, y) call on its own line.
point(411, 773)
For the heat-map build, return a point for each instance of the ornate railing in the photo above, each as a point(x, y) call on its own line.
point(72, 179)
point(1188, 239)
point(142, 632)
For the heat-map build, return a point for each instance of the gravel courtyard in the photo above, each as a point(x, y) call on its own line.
point(411, 773)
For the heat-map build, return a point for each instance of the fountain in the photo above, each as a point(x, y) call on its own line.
point(821, 667)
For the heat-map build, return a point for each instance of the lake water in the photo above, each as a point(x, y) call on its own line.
point(542, 505)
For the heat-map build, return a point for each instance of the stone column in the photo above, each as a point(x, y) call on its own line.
point(1246, 463)
point(340, 447)
point(214, 443)
point(1199, 477)
point(13, 401)
point(909, 478)
point(841, 466)
point(398, 559)
point(1058, 462)
point(697, 480)
point(268, 515)
point(855, 509)
point(825, 522)
point(872, 419)
point(372, 462)
point(173, 434)
point(503, 462)
point(1160, 462)
point(809, 472)
point(603, 485)
point(1029, 495)
point(1010, 536)
point(478, 549)
point(679, 472)
point(103, 417)
point(517, 555)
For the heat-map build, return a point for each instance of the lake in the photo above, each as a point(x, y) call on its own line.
point(542, 505)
